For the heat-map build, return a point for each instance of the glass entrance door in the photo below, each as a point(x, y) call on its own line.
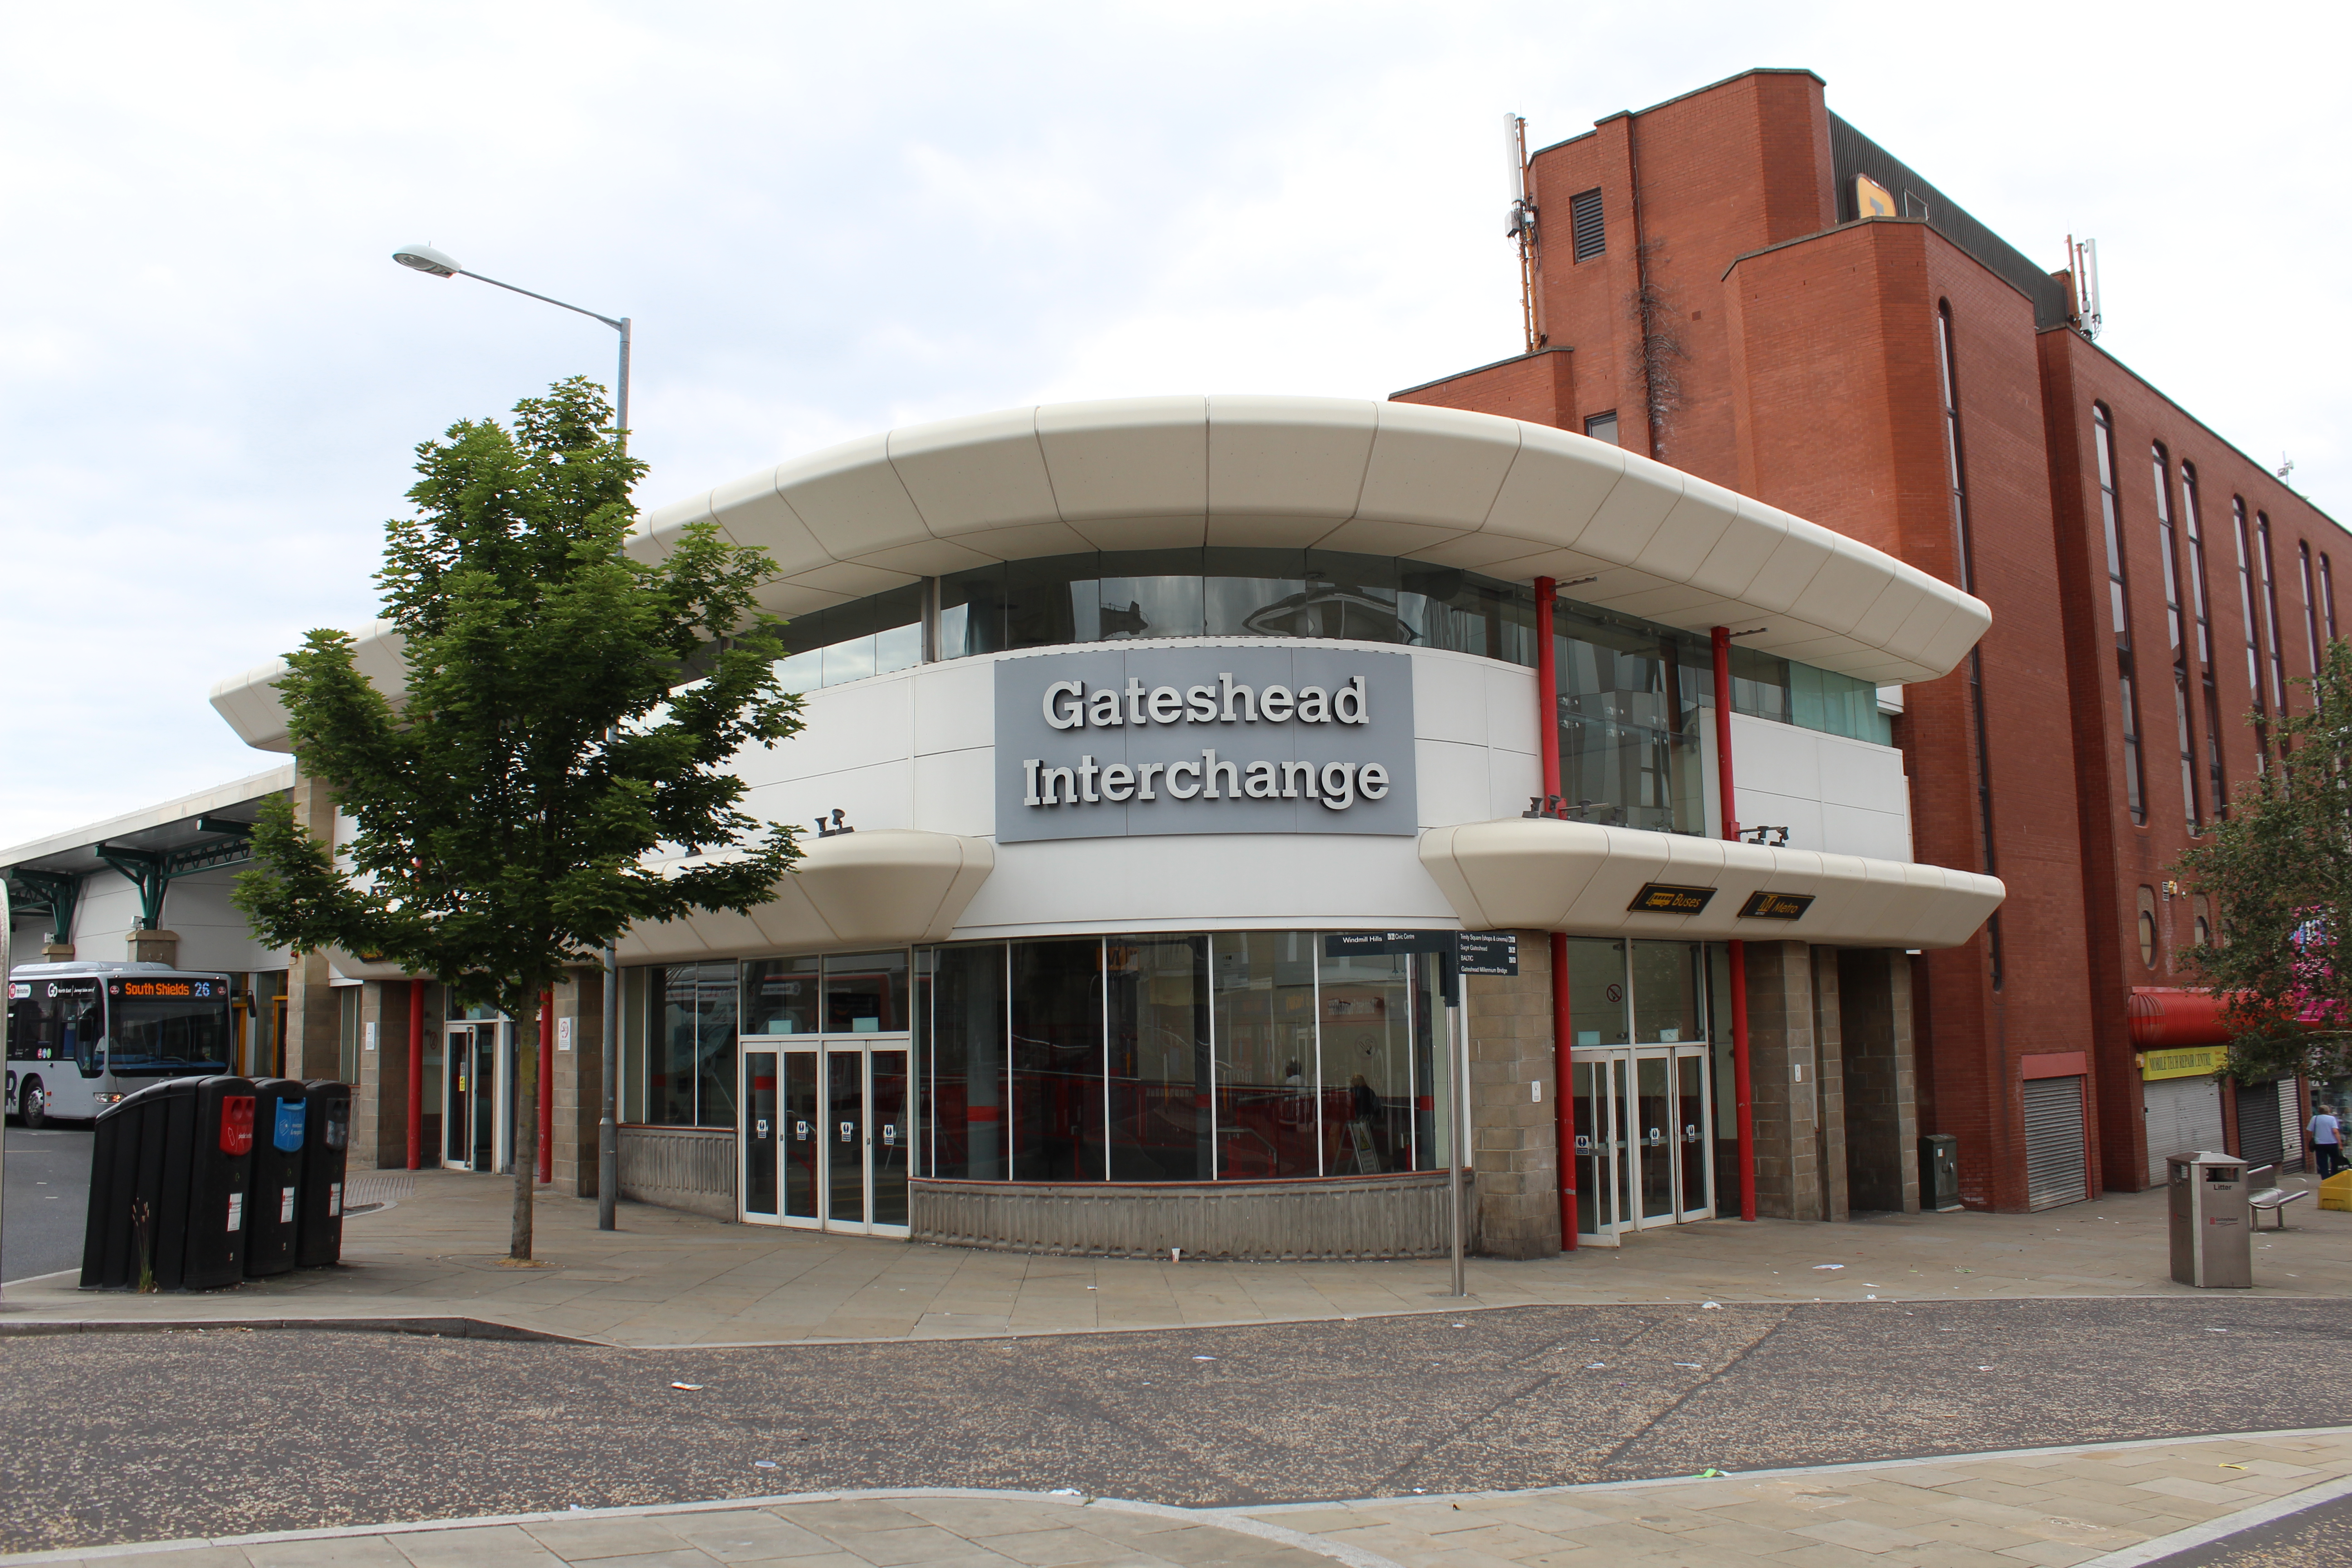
point(838, 1133)
point(1644, 1156)
point(472, 1079)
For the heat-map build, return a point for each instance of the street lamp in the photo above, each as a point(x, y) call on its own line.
point(440, 264)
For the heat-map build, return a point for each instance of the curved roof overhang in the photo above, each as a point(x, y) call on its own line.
point(854, 891)
point(1497, 496)
point(1542, 873)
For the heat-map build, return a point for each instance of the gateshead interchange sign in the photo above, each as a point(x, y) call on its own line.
point(1114, 743)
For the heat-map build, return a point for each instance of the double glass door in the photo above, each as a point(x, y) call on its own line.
point(1644, 1151)
point(474, 1091)
point(827, 1133)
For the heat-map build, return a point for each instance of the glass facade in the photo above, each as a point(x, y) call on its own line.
point(1175, 1058)
point(1631, 691)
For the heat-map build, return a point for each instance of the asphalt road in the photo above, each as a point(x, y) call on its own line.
point(121, 1437)
point(47, 1195)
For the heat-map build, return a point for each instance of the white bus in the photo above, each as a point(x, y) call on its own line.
point(82, 1035)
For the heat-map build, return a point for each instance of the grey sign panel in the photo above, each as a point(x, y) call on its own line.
point(1489, 952)
point(1103, 742)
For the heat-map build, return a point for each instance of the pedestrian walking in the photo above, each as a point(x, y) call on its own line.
point(2326, 1141)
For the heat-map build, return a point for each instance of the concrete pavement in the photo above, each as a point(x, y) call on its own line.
point(2088, 1507)
point(664, 1278)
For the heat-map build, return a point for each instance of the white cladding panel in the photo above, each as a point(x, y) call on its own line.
point(213, 935)
point(915, 748)
point(1836, 795)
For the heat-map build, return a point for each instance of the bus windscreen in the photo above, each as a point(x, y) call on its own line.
point(168, 1026)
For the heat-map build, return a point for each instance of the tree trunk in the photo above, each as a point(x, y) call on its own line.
point(526, 1133)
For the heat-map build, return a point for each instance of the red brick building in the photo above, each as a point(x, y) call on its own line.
point(1741, 284)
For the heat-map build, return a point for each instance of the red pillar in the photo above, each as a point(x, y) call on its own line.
point(1740, 1077)
point(546, 1086)
point(415, 1073)
point(1563, 1035)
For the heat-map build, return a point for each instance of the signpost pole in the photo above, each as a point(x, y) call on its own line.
point(1449, 966)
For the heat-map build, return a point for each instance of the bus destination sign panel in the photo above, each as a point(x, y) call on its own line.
point(1763, 906)
point(1667, 899)
point(171, 987)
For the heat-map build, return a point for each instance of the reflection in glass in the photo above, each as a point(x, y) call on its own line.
point(1057, 1061)
point(964, 1061)
point(780, 996)
point(1594, 1087)
point(893, 1137)
point(1666, 992)
point(1598, 1009)
point(800, 1138)
point(1654, 1120)
point(1264, 988)
point(1369, 1077)
point(865, 992)
point(1159, 1058)
point(1629, 724)
point(690, 1067)
point(760, 1132)
point(1690, 1129)
point(845, 1136)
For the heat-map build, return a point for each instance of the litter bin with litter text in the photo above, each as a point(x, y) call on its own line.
point(2212, 1244)
point(270, 1223)
point(168, 1166)
point(220, 1170)
point(326, 1148)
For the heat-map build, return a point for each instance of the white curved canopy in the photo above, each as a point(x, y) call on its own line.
point(1545, 875)
point(1498, 496)
point(882, 887)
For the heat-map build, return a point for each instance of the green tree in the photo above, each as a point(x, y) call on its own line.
point(2279, 872)
point(568, 710)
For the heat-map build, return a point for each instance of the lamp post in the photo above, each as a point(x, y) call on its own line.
point(439, 263)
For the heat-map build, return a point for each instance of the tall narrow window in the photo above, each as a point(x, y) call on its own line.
point(2310, 606)
point(2102, 437)
point(2275, 639)
point(1584, 225)
point(1964, 554)
point(2327, 593)
point(2253, 643)
point(2200, 605)
point(2168, 536)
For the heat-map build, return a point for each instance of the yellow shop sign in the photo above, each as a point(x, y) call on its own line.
point(2189, 1061)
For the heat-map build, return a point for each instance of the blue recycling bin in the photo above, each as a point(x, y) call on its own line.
point(280, 1107)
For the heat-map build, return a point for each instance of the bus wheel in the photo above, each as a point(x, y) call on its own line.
point(33, 1103)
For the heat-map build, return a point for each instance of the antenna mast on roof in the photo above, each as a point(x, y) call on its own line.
point(1521, 227)
point(2082, 268)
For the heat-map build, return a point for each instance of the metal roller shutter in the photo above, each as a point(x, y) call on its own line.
point(2291, 1126)
point(2259, 1143)
point(2056, 1156)
point(2184, 1115)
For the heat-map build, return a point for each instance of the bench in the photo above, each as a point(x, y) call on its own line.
point(2272, 1201)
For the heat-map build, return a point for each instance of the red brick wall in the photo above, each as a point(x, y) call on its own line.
point(1540, 388)
point(1808, 365)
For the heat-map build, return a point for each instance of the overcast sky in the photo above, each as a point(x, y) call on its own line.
point(828, 219)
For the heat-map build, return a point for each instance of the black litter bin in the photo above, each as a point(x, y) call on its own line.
point(126, 1162)
point(1939, 1174)
point(270, 1218)
point(220, 1170)
point(319, 1239)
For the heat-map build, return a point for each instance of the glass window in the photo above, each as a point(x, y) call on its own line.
point(1374, 1064)
point(865, 992)
point(1666, 993)
point(1598, 1009)
point(1057, 1061)
point(690, 1060)
point(780, 996)
point(2110, 516)
point(1149, 593)
point(1629, 742)
point(964, 1055)
point(636, 985)
point(1602, 426)
point(1254, 593)
point(1263, 986)
point(1159, 1072)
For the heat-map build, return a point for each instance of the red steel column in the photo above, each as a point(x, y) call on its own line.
point(546, 1086)
point(415, 1073)
point(1563, 1036)
point(1740, 1077)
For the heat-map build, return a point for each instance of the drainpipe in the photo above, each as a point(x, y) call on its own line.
point(1563, 1037)
point(415, 1073)
point(546, 1087)
point(1740, 1077)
